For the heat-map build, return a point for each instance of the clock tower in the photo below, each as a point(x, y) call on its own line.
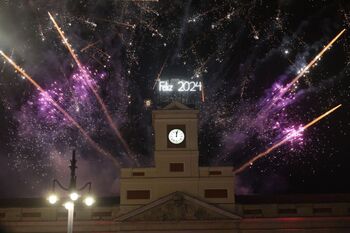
point(176, 165)
point(176, 140)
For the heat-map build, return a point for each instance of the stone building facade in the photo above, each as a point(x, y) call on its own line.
point(177, 195)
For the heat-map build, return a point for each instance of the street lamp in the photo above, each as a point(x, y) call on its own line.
point(73, 193)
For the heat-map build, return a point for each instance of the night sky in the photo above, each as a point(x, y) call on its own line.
point(243, 52)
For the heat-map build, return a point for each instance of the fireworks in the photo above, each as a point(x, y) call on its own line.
point(65, 42)
point(45, 96)
point(99, 99)
point(159, 74)
point(254, 66)
point(294, 133)
point(282, 90)
point(311, 63)
point(283, 95)
point(301, 72)
point(90, 45)
point(291, 135)
point(321, 117)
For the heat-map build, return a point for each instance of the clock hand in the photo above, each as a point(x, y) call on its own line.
point(176, 133)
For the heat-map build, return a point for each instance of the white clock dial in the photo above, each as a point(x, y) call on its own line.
point(176, 136)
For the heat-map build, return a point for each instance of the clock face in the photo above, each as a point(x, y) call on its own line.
point(176, 136)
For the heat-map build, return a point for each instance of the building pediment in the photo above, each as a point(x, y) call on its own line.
point(177, 207)
point(175, 105)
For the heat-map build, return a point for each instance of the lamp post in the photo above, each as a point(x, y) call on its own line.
point(73, 193)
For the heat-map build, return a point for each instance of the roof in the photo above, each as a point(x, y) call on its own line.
point(292, 198)
point(175, 105)
point(42, 202)
point(177, 206)
point(240, 199)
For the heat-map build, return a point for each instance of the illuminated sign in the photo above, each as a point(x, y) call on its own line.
point(179, 86)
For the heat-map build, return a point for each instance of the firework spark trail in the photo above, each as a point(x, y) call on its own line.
point(99, 99)
point(201, 77)
point(148, 10)
point(160, 73)
point(3, 66)
point(199, 71)
point(202, 92)
point(89, 45)
point(103, 52)
point(255, 32)
point(59, 108)
point(313, 61)
point(65, 42)
point(320, 117)
point(220, 21)
point(151, 28)
point(285, 89)
point(195, 17)
point(96, 60)
point(284, 140)
point(266, 110)
point(124, 24)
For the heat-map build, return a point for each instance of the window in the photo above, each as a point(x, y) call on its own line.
point(287, 211)
point(99, 215)
point(322, 210)
point(138, 174)
point(176, 167)
point(214, 173)
point(252, 212)
point(31, 215)
point(138, 194)
point(62, 214)
point(215, 193)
